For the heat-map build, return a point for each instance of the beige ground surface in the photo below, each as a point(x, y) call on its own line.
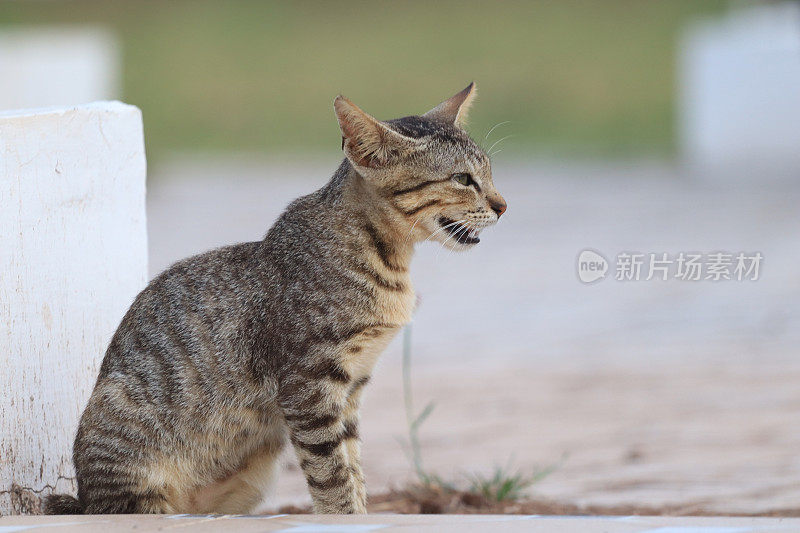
point(696, 436)
point(645, 393)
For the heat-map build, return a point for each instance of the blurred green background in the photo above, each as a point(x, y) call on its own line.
point(579, 77)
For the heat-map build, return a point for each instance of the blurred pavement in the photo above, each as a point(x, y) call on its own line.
point(516, 296)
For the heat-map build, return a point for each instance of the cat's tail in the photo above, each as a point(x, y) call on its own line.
point(62, 504)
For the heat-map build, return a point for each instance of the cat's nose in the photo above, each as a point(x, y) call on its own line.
point(498, 206)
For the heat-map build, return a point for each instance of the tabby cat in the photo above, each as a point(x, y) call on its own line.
point(227, 355)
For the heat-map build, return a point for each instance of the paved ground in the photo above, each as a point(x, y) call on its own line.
point(388, 523)
point(648, 392)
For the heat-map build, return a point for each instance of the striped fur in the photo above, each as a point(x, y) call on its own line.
point(228, 356)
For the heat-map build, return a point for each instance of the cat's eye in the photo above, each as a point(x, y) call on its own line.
point(463, 178)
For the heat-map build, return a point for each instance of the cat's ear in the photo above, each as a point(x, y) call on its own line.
point(366, 141)
point(454, 110)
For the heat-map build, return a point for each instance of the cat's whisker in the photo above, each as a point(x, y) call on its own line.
point(466, 228)
point(453, 236)
point(495, 126)
point(442, 228)
point(411, 230)
point(436, 258)
point(448, 226)
point(495, 153)
point(498, 141)
point(443, 245)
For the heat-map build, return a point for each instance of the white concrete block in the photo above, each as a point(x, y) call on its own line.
point(740, 89)
point(59, 65)
point(73, 255)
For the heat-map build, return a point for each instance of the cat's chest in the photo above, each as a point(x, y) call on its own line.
point(395, 306)
point(390, 313)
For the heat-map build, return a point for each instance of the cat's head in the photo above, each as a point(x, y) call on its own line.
point(427, 166)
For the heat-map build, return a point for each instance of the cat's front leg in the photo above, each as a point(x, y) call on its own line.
point(314, 411)
point(351, 419)
point(354, 462)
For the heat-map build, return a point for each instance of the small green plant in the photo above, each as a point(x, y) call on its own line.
point(503, 484)
point(414, 420)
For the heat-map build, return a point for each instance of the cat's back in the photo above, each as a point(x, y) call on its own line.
point(191, 309)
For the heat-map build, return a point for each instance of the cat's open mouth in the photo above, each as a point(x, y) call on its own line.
point(461, 233)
